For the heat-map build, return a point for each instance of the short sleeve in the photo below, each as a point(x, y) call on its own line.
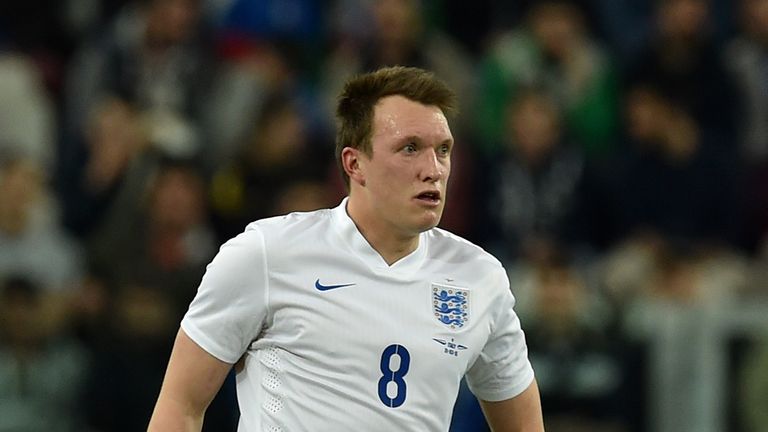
point(502, 370)
point(230, 307)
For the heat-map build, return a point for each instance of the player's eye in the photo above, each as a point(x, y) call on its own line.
point(410, 148)
point(444, 150)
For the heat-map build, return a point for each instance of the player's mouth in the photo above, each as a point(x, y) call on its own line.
point(430, 197)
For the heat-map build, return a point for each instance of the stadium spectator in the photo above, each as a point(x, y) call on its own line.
point(154, 57)
point(552, 50)
point(747, 58)
point(576, 351)
point(110, 174)
point(400, 34)
point(168, 243)
point(27, 117)
point(128, 367)
point(280, 150)
point(683, 61)
point(671, 178)
point(32, 241)
point(530, 188)
point(42, 371)
point(263, 48)
point(677, 293)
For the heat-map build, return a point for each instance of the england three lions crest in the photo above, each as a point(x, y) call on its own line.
point(450, 305)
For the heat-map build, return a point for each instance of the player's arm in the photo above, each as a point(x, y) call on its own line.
point(521, 413)
point(191, 381)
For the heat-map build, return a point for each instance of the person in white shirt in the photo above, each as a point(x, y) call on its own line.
point(365, 316)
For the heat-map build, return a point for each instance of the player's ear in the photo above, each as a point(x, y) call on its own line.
point(351, 161)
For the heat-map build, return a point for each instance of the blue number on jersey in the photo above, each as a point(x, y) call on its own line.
point(396, 376)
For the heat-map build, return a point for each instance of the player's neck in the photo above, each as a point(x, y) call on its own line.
point(389, 242)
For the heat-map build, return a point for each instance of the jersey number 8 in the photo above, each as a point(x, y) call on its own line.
point(392, 387)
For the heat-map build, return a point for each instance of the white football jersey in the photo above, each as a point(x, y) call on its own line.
point(334, 339)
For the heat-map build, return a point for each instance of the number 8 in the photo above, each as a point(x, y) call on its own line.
point(396, 376)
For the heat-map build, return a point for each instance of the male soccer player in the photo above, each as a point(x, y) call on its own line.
point(364, 317)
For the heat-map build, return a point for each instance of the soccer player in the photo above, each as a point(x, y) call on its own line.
point(364, 317)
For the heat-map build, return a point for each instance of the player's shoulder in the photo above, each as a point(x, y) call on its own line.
point(268, 240)
point(447, 246)
point(292, 221)
point(297, 226)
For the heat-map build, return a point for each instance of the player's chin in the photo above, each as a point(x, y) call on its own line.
point(430, 219)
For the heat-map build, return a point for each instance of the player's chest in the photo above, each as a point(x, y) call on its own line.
point(349, 315)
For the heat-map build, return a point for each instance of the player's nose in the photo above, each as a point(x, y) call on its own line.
point(432, 168)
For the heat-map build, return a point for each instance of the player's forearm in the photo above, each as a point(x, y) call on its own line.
point(171, 416)
point(519, 414)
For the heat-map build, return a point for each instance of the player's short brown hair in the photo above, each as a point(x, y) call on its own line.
point(361, 93)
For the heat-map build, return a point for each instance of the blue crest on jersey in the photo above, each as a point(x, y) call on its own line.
point(450, 305)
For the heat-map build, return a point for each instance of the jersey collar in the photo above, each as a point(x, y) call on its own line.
point(349, 233)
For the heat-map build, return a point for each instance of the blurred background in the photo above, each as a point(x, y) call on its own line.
point(612, 153)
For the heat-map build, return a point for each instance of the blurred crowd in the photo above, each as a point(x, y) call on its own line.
point(612, 153)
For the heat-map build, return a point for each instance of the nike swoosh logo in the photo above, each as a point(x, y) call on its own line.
point(322, 287)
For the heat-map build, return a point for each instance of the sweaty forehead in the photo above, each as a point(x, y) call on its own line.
point(397, 117)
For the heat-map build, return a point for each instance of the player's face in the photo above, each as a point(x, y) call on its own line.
point(407, 174)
